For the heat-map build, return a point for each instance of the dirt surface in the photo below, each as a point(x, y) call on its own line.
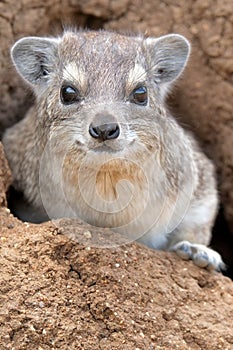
point(58, 294)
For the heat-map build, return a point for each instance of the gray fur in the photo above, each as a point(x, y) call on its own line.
point(34, 56)
point(62, 170)
point(169, 56)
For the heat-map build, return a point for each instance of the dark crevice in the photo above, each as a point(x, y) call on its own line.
point(21, 209)
point(222, 241)
point(94, 23)
point(76, 20)
point(72, 270)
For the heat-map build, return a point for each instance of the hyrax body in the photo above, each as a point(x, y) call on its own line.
point(99, 144)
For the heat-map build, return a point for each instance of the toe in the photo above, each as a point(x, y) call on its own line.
point(183, 249)
point(201, 259)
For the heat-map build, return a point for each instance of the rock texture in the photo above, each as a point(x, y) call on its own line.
point(56, 293)
point(5, 177)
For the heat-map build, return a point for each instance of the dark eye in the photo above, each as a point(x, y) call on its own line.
point(44, 71)
point(69, 95)
point(139, 96)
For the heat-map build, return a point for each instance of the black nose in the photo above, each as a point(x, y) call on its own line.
point(105, 131)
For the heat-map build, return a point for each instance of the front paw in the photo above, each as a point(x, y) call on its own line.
point(201, 255)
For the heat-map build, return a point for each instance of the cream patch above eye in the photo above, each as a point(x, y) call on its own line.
point(136, 75)
point(73, 73)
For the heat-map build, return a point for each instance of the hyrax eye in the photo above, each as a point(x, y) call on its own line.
point(69, 95)
point(139, 96)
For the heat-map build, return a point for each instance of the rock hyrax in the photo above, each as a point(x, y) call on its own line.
point(100, 145)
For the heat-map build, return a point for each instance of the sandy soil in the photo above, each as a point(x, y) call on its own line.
point(58, 294)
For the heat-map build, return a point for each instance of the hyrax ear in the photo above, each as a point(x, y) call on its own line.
point(35, 58)
point(169, 55)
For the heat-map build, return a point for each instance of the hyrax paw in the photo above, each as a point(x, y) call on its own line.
point(201, 255)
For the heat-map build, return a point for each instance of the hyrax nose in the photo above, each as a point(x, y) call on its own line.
point(103, 132)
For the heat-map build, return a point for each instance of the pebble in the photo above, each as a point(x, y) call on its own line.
point(87, 234)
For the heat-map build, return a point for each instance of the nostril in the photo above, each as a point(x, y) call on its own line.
point(105, 131)
point(94, 132)
point(113, 131)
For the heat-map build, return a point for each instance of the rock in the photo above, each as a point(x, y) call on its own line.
point(5, 177)
point(58, 294)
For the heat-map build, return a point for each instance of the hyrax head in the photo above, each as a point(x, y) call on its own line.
point(101, 90)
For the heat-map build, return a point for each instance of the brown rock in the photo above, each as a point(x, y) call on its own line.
point(5, 177)
point(58, 294)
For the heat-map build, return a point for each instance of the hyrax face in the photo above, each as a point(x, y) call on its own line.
point(100, 104)
point(106, 89)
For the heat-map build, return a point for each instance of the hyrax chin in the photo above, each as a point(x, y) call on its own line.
point(99, 144)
